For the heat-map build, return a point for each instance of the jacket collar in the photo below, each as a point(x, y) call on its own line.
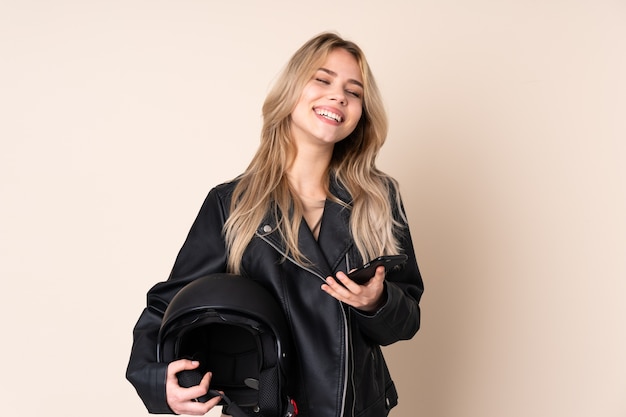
point(327, 253)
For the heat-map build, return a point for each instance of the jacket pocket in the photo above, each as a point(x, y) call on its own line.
point(383, 405)
point(374, 389)
point(391, 396)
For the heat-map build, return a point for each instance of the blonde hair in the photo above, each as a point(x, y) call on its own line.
point(264, 185)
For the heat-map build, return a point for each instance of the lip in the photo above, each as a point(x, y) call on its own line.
point(318, 109)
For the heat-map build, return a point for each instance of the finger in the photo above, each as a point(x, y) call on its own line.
point(185, 400)
point(214, 401)
point(329, 286)
point(196, 408)
point(346, 282)
point(201, 389)
point(178, 366)
point(205, 407)
point(379, 276)
point(334, 289)
point(182, 365)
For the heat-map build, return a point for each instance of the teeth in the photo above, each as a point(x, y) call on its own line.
point(329, 115)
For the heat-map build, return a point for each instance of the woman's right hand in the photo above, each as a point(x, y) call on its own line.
point(182, 400)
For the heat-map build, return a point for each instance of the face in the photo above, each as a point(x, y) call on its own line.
point(331, 103)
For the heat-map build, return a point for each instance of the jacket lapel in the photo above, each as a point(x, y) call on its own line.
point(326, 253)
point(334, 238)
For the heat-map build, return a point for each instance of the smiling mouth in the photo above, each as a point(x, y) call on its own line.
point(329, 115)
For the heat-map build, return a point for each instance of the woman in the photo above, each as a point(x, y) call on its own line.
point(310, 206)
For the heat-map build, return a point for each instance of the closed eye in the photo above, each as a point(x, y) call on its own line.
point(354, 93)
point(323, 81)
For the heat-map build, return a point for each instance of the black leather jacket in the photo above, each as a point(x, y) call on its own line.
point(341, 369)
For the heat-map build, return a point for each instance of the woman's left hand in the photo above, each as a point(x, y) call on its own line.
point(368, 297)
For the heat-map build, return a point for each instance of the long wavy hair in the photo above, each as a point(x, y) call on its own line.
point(264, 187)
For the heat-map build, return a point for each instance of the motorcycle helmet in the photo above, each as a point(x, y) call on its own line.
point(236, 330)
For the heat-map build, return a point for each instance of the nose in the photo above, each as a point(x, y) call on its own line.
point(339, 96)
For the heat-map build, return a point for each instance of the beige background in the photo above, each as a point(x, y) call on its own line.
point(508, 136)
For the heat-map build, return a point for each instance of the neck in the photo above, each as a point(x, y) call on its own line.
point(308, 174)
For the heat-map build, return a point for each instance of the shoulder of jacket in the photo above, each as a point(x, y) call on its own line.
point(226, 189)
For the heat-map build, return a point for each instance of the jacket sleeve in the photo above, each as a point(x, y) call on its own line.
point(399, 317)
point(202, 253)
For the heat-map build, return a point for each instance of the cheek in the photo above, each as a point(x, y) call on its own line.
point(306, 99)
point(310, 92)
point(301, 107)
point(356, 116)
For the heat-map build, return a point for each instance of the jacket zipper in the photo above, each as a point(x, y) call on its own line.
point(345, 319)
point(350, 378)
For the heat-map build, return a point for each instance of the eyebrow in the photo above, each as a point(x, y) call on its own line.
point(334, 74)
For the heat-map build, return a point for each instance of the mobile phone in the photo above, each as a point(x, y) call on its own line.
point(364, 273)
